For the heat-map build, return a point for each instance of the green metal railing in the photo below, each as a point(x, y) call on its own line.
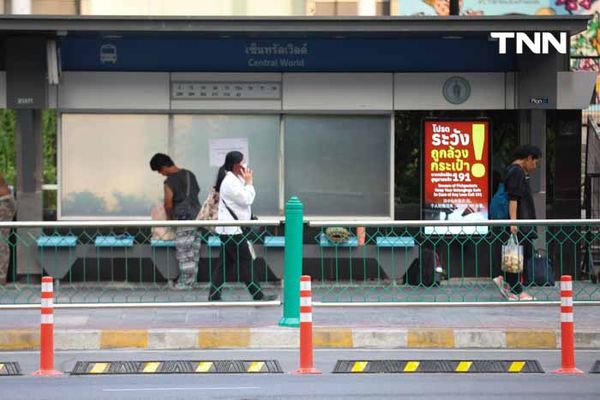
point(397, 261)
point(130, 262)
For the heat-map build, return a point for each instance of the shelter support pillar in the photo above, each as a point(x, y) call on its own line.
point(532, 124)
point(26, 92)
point(533, 131)
point(29, 186)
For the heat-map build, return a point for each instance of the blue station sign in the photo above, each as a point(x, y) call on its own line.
point(283, 55)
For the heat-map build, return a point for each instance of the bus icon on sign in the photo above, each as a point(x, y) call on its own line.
point(108, 54)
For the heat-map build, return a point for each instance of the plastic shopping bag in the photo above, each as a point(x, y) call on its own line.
point(512, 256)
point(158, 213)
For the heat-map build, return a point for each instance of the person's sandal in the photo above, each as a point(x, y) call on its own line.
point(502, 286)
point(524, 296)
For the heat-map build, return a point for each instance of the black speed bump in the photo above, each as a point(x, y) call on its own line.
point(596, 368)
point(436, 366)
point(9, 368)
point(177, 367)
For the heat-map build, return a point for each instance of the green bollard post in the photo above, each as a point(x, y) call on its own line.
point(294, 229)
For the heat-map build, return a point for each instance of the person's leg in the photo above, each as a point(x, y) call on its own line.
point(245, 268)
point(186, 255)
point(514, 282)
point(218, 274)
point(527, 257)
point(196, 245)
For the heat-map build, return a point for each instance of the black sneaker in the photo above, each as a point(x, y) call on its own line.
point(214, 297)
point(266, 297)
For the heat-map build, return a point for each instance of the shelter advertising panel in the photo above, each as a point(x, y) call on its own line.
point(456, 174)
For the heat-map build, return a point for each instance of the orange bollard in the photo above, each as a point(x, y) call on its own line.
point(306, 342)
point(567, 337)
point(47, 331)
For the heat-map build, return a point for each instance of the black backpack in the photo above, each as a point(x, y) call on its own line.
point(422, 271)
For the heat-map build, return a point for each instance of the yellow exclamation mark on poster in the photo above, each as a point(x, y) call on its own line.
point(478, 169)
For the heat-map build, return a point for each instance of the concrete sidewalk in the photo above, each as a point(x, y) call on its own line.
point(496, 326)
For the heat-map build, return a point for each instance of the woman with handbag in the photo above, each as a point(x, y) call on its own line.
point(236, 195)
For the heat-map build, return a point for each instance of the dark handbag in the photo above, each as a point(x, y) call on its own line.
point(426, 271)
point(186, 209)
point(539, 271)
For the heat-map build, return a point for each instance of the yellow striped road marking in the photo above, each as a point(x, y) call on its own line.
point(1, 367)
point(99, 368)
point(411, 366)
point(464, 366)
point(516, 366)
point(256, 366)
point(204, 367)
point(359, 366)
point(150, 367)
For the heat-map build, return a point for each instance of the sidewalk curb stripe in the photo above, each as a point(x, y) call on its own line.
point(275, 337)
point(224, 338)
point(19, 339)
point(596, 368)
point(176, 367)
point(9, 368)
point(430, 338)
point(531, 339)
point(437, 366)
point(114, 339)
point(332, 337)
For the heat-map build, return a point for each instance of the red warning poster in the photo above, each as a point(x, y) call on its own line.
point(456, 173)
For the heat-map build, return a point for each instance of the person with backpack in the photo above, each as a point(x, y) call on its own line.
point(519, 205)
point(235, 185)
point(181, 203)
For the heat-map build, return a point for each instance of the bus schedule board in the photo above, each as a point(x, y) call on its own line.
point(456, 174)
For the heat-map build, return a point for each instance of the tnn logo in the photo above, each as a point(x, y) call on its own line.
point(540, 44)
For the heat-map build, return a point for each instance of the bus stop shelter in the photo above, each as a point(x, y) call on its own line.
point(296, 68)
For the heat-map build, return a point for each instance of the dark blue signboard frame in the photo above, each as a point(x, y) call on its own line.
point(284, 55)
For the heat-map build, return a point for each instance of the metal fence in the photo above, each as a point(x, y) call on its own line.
point(400, 261)
point(435, 261)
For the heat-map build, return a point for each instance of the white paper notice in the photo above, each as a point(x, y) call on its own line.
point(220, 147)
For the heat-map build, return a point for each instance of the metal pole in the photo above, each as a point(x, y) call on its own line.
point(294, 228)
point(454, 7)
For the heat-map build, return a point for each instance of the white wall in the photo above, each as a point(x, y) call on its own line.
point(423, 91)
point(318, 92)
point(114, 91)
point(575, 89)
point(300, 92)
